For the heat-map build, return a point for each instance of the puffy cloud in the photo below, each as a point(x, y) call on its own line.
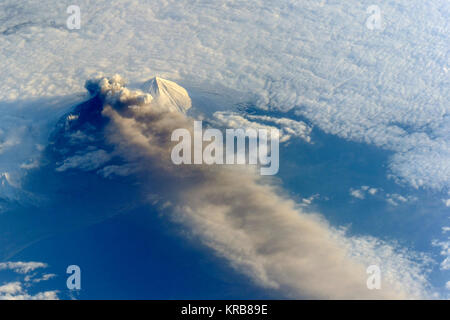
point(357, 194)
point(444, 246)
point(309, 200)
point(288, 128)
point(395, 199)
point(22, 267)
point(19, 290)
point(360, 193)
point(15, 291)
point(10, 288)
point(251, 223)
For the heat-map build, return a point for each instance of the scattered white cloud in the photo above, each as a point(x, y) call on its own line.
point(361, 192)
point(15, 291)
point(44, 277)
point(288, 128)
point(309, 200)
point(446, 202)
point(396, 199)
point(444, 245)
point(20, 290)
point(22, 267)
point(393, 199)
point(10, 288)
point(357, 194)
point(445, 251)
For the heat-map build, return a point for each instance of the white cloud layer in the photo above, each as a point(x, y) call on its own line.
point(389, 87)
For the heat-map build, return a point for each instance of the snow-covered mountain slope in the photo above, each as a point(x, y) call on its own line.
point(168, 94)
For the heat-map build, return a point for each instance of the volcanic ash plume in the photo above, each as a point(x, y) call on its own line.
point(244, 219)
